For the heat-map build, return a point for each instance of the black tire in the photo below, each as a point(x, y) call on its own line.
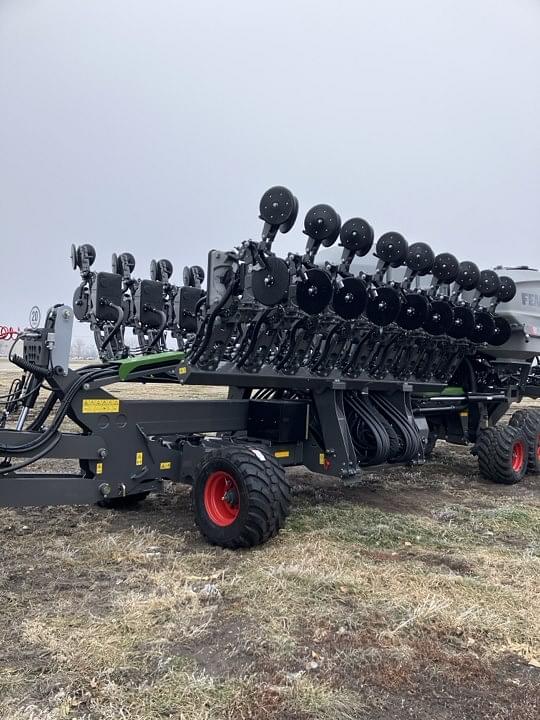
point(129, 502)
point(502, 454)
point(484, 452)
point(529, 421)
point(259, 497)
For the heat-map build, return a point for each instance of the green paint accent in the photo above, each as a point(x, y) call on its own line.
point(131, 364)
point(448, 391)
point(451, 391)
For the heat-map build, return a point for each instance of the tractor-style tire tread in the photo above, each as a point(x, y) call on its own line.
point(265, 491)
point(494, 449)
point(529, 421)
point(484, 451)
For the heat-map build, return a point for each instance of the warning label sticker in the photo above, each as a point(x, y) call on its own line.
point(101, 405)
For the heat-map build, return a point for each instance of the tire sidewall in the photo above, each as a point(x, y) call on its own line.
point(520, 474)
point(217, 533)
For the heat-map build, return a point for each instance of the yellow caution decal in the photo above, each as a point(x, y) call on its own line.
point(167, 465)
point(282, 454)
point(100, 405)
point(139, 458)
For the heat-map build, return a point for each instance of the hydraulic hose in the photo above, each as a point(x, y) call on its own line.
point(161, 328)
point(60, 415)
point(116, 325)
point(209, 326)
point(33, 459)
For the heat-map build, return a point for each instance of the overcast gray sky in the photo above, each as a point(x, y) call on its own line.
point(155, 125)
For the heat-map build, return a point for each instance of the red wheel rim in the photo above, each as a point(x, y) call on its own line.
point(538, 448)
point(221, 498)
point(518, 456)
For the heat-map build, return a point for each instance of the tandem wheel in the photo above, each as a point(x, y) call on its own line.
point(241, 496)
point(529, 421)
point(502, 454)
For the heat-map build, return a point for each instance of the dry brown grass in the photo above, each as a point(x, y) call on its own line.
point(414, 596)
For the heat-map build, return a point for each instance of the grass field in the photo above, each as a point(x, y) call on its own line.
point(414, 595)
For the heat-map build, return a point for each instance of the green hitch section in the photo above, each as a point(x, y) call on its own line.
point(451, 391)
point(132, 364)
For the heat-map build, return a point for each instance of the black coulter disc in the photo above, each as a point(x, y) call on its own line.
point(270, 285)
point(489, 283)
point(350, 300)
point(383, 308)
point(502, 332)
point(439, 318)
point(420, 258)
point(77, 253)
point(314, 293)
point(80, 304)
point(73, 256)
point(414, 311)
point(392, 248)
point(117, 262)
point(277, 205)
point(468, 275)
point(507, 289)
point(484, 326)
point(445, 267)
point(197, 273)
point(158, 268)
point(322, 223)
point(288, 224)
point(463, 322)
point(357, 234)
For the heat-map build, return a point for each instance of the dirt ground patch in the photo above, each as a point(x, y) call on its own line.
point(413, 594)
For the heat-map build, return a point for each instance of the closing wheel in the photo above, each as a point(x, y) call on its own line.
point(78, 252)
point(278, 206)
point(313, 294)
point(392, 248)
point(468, 275)
point(420, 258)
point(502, 454)
point(350, 300)
point(117, 262)
point(484, 327)
point(414, 311)
point(383, 306)
point(357, 234)
point(322, 223)
point(462, 323)
point(241, 496)
point(81, 303)
point(445, 267)
point(529, 421)
point(507, 289)
point(270, 284)
point(161, 270)
point(439, 318)
point(489, 283)
point(502, 332)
